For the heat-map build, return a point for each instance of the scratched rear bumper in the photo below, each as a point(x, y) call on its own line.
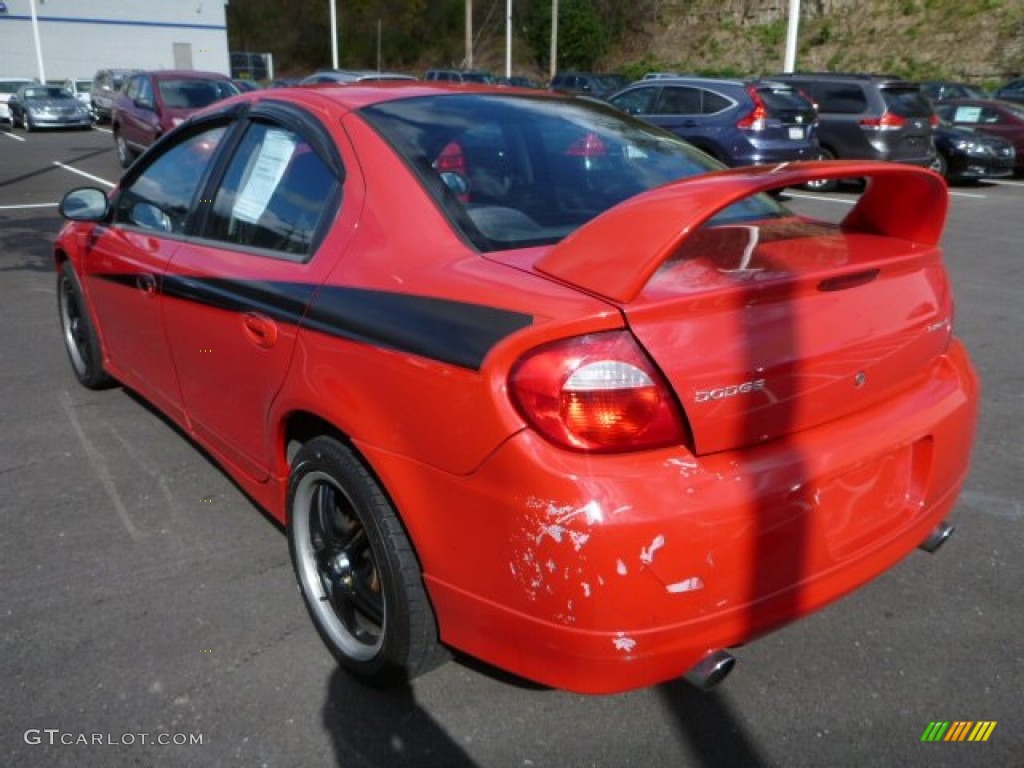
point(601, 574)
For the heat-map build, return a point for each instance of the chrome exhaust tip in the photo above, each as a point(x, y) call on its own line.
point(937, 537)
point(711, 670)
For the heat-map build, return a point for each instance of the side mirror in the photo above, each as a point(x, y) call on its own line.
point(148, 216)
point(85, 204)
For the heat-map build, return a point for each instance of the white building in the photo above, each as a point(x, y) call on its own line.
point(75, 38)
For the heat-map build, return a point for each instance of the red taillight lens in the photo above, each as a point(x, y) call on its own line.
point(590, 145)
point(933, 121)
point(757, 120)
point(597, 393)
point(887, 122)
point(451, 159)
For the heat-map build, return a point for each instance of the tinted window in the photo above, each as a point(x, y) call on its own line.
point(637, 101)
point(161, 197)
point(906, 102)
point(676, 100)
point(275, 194)
point(781, 98)
point(547, 166)
point(194, 94)
point(713, 103)
point(841, 98)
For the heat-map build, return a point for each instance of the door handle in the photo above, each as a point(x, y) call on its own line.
point(259, 329)
point(146, 283)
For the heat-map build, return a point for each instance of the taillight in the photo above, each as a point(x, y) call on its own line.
point(933, 121)
point(887, 122)
point(588, 146)
point(597, 393)
point(757, 120)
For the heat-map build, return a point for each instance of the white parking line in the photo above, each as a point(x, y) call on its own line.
point(12, 135)
point(83, 173)
point(28, 205)
point(101, 130)
point(821, 198)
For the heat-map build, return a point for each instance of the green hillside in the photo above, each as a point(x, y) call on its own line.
point(976, 40)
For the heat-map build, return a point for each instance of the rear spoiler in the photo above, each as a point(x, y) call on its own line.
point(615, 254)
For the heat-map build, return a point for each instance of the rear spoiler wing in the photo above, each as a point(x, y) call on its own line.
point(615, 254)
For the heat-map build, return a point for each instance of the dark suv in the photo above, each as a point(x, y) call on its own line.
point(586, 84)
point(738, 122)
point(151, 103)
point(869, 117)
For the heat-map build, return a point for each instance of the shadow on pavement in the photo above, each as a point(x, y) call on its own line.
point(371, 727)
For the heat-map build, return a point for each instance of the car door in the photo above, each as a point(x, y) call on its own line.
point(139, 123)
point(124, 268)
point(238, 291)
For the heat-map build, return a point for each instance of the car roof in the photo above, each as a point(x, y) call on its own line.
point(183, 74)
point(357, 95)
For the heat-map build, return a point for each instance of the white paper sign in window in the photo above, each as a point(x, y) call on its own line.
point(271, 162)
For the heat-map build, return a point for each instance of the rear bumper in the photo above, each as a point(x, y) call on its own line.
point(602, 574)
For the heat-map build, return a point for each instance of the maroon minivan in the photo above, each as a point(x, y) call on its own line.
point(151, 103)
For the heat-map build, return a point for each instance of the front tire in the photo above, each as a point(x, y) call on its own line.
point(26, 123)
point(79, 332)
point(356, 569)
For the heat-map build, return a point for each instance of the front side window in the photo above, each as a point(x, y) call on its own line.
point(275, 194)
point(161, 197)
point(638, 101)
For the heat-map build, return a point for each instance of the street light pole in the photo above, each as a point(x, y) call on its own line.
point(39, 44)
point(334, 34)
point(469, 34)
point(553, 67)
point(508, 38)
point(791, 35)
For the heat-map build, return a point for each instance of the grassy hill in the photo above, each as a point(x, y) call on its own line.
point(977, 40)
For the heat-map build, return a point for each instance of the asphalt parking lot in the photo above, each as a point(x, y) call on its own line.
point(147, 600)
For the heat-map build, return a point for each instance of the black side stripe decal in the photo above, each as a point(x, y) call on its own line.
point(453, 332)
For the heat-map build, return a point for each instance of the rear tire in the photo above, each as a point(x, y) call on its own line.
point(823, 185)
point(356, 568)
point(79, 332)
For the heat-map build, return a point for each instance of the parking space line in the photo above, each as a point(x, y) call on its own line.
point(12, 135)
point(821, 198)
point(83, 173)
point(27, 205)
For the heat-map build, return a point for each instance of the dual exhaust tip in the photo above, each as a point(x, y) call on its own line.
point(716, 665)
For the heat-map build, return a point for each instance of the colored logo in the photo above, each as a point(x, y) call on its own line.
point(958, 730)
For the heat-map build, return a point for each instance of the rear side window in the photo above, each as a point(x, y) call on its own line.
point(712, 103)
point(842, 98)
point(906, 102)
point(676, 100)
point(275, 194)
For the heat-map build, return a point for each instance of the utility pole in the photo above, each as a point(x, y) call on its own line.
point(469, 34)
point(554, 41)
point(508, 38)
point(791, 35)
point(334, 34)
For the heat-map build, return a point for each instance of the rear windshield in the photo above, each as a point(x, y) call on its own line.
point(512, 171)
point(780, 99)
point(906, 102)
point(194, 94)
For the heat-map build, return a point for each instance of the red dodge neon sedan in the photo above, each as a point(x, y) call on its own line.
point(530, 379)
